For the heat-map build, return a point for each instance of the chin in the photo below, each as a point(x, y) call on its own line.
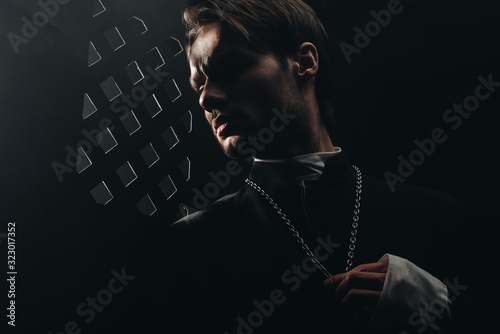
point(230, 146)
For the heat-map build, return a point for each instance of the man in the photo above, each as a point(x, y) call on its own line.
point(262, 70)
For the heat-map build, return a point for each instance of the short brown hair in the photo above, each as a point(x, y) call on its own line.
point(280, 26)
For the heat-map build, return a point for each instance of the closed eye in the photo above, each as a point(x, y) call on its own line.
point(223, 69)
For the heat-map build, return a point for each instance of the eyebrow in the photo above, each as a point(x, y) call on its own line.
point(217, 59)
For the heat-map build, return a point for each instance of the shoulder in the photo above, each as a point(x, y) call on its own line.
point(212, 215)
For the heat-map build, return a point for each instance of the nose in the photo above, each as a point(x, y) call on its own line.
point(213, 96)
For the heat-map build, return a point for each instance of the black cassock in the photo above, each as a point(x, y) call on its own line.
point(236, 268)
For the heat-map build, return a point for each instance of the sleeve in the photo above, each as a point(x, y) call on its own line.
point(412, 300)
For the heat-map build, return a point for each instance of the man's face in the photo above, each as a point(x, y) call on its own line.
point(239, 88)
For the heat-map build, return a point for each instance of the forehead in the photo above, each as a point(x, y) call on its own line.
point(212, 41)
point(207, 40)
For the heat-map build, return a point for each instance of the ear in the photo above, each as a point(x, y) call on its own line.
point(307, 61)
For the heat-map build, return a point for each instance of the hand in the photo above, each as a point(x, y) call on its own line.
point(358, 291)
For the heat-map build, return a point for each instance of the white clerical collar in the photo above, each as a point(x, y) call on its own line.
point(304, 158)
point(305, 167)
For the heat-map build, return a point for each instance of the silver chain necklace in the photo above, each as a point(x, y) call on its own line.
point(291, 228)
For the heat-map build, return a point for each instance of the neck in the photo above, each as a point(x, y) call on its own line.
point(317, 141)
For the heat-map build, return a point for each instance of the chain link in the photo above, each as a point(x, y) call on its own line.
point(295, 233)
point(355, 219)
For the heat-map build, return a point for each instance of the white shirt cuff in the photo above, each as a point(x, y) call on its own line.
point(412, 300)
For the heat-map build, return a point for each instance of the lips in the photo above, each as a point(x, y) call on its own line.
point(221, 122)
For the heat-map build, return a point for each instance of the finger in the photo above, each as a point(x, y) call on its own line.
point(359, 280)
point(378, 267)
point(332, 282)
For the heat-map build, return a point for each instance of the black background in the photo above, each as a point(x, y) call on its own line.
point(395, 91)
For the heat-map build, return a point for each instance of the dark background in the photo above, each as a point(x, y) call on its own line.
point(395, 91)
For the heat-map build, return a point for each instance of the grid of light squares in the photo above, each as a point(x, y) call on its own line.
point(112, 91)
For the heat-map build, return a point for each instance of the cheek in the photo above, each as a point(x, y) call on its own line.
point(263, 90)
point(264, 80)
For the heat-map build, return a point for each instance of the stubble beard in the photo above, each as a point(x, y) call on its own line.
point(230, 146)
